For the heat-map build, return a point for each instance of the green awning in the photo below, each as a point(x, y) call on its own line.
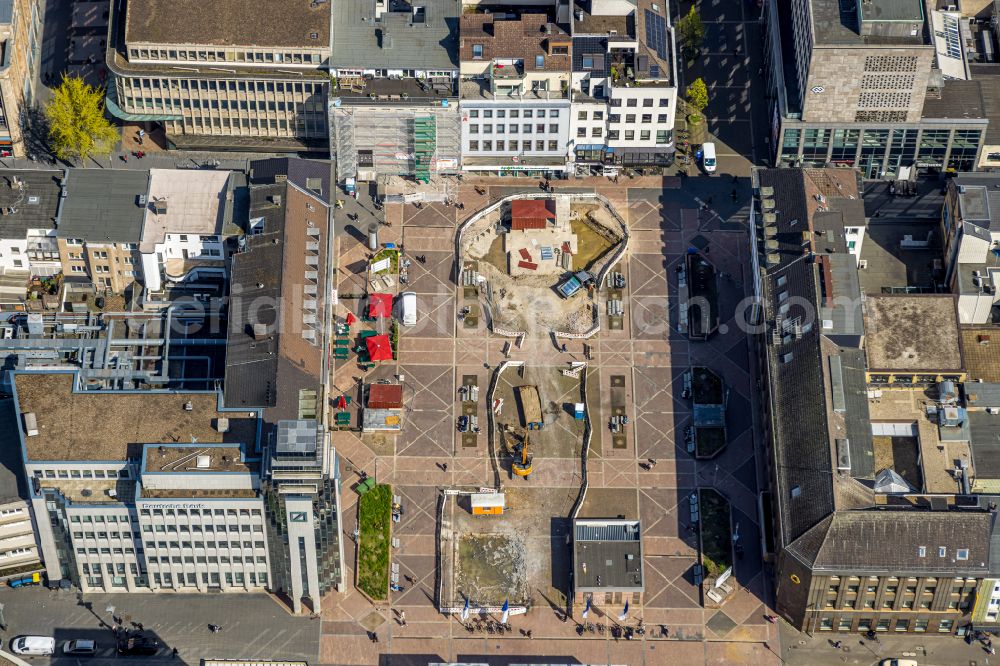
point(111, 104)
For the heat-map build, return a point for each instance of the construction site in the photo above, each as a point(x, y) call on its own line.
point(537, 261)
point(512, 556)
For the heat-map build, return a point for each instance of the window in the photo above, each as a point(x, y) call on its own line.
point(920, 626)
point(826, 624)
point(477, 51)
point(647, 117)
point(922, 551)
point(581, 131)
point(844, 624)
point(612, 135)
point(539, 61)
point(644, 135)
point(942, 551)
point(661, 137)
point(597, 131)
point(630, 135)
point(588, 62)
point(632, 102)
point(946, 626)
point(661, 118)
point(553, 145)
point(474, 113)
point(473, 146)
point(582, 115)
point(883, 625)
point(902, 625)
point(560, 50)
point(962, 554)
point(630, 118)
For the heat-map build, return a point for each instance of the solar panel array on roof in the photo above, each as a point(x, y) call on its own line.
point(656, 33)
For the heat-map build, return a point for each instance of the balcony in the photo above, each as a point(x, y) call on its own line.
point(508, 71)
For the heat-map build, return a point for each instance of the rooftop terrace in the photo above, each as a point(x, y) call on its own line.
point(78, 425)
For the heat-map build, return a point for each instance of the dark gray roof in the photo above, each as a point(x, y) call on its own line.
point(797, 366)
point(13, 484)
point(400, 39)
point(984, 441)
point(252, 365)
point(36, 201)
point(837, 23)
point(310, 175)
point(6, 11)
point(857, 418)
point(982, 395)
point(890, 542)
point(595, 47)
point(959, 99)
point(103, 205)
point(607, 555)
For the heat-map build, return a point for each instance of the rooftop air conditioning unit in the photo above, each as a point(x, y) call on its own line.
point(203, 462)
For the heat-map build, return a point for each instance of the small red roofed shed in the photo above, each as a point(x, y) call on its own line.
point(531, 214)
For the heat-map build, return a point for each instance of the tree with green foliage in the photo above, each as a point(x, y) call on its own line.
point(691, 30)
point(77, 126)
point(697, 97)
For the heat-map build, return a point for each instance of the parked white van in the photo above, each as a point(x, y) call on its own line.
point(408, 308)
point(33, 645)
point(708, 157)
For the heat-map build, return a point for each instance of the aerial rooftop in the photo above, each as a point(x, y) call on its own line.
point(607, 555)
point(886, 23)
point(193, 201)
point(30, 200)
point(195, 458)
point(532, 38)
point(370, 34)
point(104, 205)
point(82, 425)
point(277, 23)
point(912, 333)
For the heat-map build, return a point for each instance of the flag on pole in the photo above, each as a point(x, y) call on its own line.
point(506, 611)
point(586, 609)
point(624, 612)
point(465, 611)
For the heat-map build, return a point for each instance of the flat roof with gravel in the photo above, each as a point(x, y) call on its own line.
point(105, 425)
point(915, 333)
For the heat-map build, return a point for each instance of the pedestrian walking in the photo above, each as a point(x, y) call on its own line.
point(138, 625)
point(564, 348)
point(374, 637)
point(173, 653)
point(444, 467)
point(402, 618)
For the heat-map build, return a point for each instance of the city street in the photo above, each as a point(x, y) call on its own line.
point(253, 626)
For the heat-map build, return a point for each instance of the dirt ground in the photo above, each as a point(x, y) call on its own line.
point(492, 558)
point(561, 436)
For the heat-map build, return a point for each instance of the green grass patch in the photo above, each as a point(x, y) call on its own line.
point(374, 522)
point(393, 257)
point(716, 539)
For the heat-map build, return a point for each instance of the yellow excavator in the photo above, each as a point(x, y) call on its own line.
point(523, 468)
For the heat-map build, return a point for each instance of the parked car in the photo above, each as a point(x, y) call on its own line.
point(898, 662)
point(81, 647)
point(138, 646)
point(33, 645)
point(23, 581)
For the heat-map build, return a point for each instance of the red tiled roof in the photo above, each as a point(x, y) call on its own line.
point(385, 396)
